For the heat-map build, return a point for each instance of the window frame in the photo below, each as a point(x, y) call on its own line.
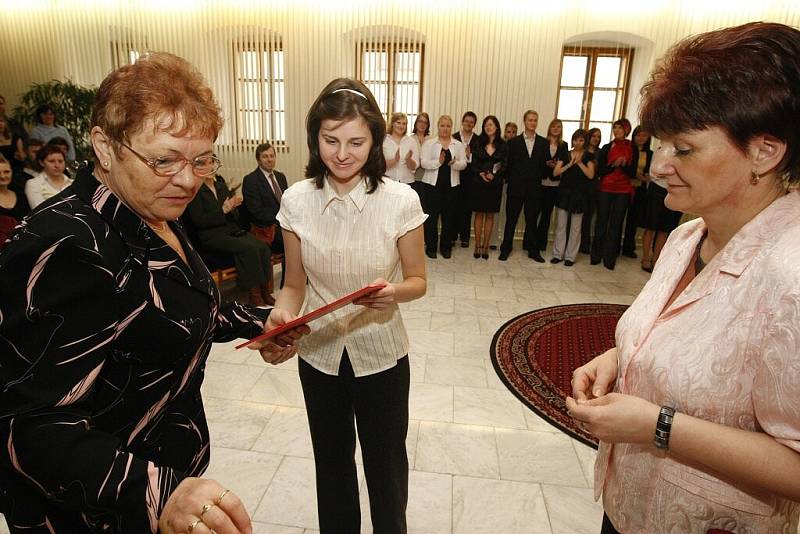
point(626, 55)
point(392, 49)
point(261, 47)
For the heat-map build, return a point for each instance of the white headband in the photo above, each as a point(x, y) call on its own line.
point(350, 91)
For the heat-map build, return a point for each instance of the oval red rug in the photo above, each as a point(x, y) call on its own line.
point(534, 355)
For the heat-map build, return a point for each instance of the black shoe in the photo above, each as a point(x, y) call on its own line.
point(569, 263)
point(464, 244)
point(485, 255)
point(609, 267)
point(535, 256)
point(431, 254)
point(503, 256)
point(594, 262)
point(630, 255)
point(476, 254)
point(585, 251)
point(445, 254)
point(555, 260)
point(492, 247)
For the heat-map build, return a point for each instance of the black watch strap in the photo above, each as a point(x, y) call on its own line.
point(663, 427)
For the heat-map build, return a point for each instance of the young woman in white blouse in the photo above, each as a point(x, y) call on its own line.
point(443, 159)
point(346, 227)
point(400, 152)
point(51, 180)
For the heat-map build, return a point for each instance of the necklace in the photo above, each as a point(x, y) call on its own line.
point(699, 264)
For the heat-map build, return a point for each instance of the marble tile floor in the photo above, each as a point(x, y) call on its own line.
point(480, 461)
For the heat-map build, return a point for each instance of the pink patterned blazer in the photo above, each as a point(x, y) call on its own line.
point(726, 350)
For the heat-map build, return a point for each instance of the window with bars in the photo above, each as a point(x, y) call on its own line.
point(260, 92)
point(126, 52)
point(593, 88)
point(393, 72)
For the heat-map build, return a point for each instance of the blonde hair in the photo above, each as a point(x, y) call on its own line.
point(394, 118)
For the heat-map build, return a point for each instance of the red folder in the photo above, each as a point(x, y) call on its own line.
point(316, 314)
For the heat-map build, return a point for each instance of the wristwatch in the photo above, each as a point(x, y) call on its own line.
point(663, 427)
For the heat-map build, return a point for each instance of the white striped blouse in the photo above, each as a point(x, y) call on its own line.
point(346, 242)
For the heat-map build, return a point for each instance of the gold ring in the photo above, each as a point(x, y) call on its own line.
point(194, 524)
point(206, 507)
point(222, 496)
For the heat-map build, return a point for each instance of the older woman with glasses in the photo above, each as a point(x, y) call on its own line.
point(107, 316)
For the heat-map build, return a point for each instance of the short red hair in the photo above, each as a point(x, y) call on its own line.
point(159, 87)
point(743, 79)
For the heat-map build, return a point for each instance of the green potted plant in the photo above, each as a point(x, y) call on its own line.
point(73, 104)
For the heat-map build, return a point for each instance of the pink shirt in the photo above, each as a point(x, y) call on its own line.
point(727, 350)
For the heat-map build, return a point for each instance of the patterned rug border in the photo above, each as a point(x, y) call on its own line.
point(509, 386)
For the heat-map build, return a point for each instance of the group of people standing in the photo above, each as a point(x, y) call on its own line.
point(466, 177)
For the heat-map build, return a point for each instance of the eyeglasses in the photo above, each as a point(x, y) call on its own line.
point(166, 167)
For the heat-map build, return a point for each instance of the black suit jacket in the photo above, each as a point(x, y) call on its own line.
point(474, 147)
point(525, 172)
point(259, 199)
point(104, 335)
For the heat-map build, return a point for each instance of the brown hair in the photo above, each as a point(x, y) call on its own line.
point(428, 118)
point(263, 147)
point(346, 99)
point(159, 87)
point(743, 80)
point(47, 150)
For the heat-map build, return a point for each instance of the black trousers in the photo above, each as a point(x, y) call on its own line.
point(439, 204)
point(379, 405)
point(462, 214)
point(514, 206)
point(635, 209)
point(586, 223)
point(607, 527)
point(611, 208)
point(549, 198)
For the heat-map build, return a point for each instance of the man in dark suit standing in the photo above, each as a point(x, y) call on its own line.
point(527, 154)
point(462, 214)
point(262, 190)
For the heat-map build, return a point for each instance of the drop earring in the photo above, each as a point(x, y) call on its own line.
point(754, 177)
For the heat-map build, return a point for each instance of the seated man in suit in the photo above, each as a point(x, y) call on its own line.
point(262, 190)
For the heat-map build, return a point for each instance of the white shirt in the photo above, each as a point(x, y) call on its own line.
point(429, 156)
point(40, 188)
point(465, 140)
point(529, 142)
point(400, 172)
point(346, 242)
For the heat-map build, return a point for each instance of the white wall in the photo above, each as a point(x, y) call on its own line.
point(499, 57)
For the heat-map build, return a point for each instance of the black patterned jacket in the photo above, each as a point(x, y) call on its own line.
point(104, 335)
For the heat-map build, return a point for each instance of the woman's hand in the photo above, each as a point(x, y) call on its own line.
point(281, 348)
point(409, 161)
point(551, 163)
point(204, 505)
point(231, 203)
point(597, 377)
point(616, 418)
point(383, 298)
point(489, 177)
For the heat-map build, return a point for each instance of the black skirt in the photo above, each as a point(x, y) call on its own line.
point(657, 216)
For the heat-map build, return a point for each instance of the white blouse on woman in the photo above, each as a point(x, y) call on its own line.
point(346, 242)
